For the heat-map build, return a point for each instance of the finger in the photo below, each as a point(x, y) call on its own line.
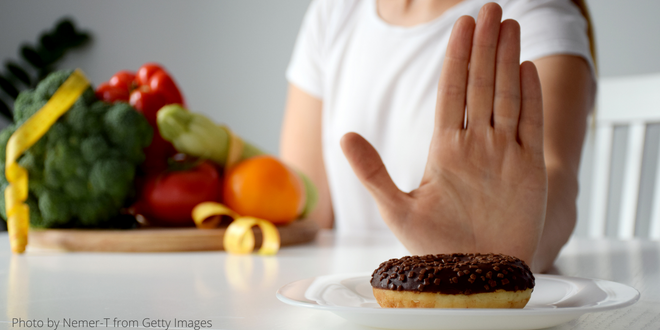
point(450, 106)
point(507, 80)
point(530, 126)
point(370, 170)
point(481, 79)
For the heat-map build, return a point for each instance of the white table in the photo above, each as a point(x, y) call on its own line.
point(238, 292)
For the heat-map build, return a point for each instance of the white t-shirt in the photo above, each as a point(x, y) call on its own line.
point(380, 81)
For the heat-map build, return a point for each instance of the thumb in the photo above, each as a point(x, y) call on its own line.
point(370, 170)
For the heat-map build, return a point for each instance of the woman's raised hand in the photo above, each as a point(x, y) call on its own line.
point(484, 187)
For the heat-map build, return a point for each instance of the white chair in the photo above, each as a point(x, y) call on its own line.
point(622, 101)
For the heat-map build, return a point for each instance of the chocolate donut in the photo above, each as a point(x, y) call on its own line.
point(453, 281)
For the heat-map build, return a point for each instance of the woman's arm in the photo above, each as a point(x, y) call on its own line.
point(300, 147)
point(568, 96)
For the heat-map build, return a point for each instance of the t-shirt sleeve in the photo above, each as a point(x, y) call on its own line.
point(305, 70)
point(551, 27)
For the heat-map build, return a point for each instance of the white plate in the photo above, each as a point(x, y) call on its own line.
point(555, 300)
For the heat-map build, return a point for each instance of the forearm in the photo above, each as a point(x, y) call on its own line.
point(301, 148)
point(568, 95)
point(561, 216)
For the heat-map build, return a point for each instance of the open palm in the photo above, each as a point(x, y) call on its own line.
point(484, 187)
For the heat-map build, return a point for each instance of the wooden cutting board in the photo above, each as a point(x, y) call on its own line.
point(158, 239)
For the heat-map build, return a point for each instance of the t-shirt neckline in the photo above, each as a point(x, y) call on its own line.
point(372, 8)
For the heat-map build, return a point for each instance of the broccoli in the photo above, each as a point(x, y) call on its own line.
point(81, 171)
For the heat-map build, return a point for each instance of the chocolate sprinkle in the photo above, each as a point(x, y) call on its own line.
point(444, 273)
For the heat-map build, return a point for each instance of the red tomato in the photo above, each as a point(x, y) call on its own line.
point(110, 94)
point(123, 79)
point(169, 198)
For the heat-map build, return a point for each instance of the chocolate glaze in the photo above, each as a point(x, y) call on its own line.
point(456, 273)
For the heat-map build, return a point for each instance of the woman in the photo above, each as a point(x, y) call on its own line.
point(443, 179)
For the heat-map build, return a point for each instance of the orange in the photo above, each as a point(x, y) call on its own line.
point(265, 188)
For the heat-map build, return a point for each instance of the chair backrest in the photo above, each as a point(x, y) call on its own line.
point(629, 104)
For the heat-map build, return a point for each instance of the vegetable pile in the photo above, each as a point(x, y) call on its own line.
point(131, 148)
point(81, 172)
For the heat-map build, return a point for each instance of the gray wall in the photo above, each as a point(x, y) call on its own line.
point(627, 36)
point(229, 57)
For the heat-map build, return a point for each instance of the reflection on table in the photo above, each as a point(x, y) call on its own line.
point(238, 292)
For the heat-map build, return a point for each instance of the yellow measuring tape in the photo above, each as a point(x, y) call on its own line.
point(238, 238)
point(18, 213)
